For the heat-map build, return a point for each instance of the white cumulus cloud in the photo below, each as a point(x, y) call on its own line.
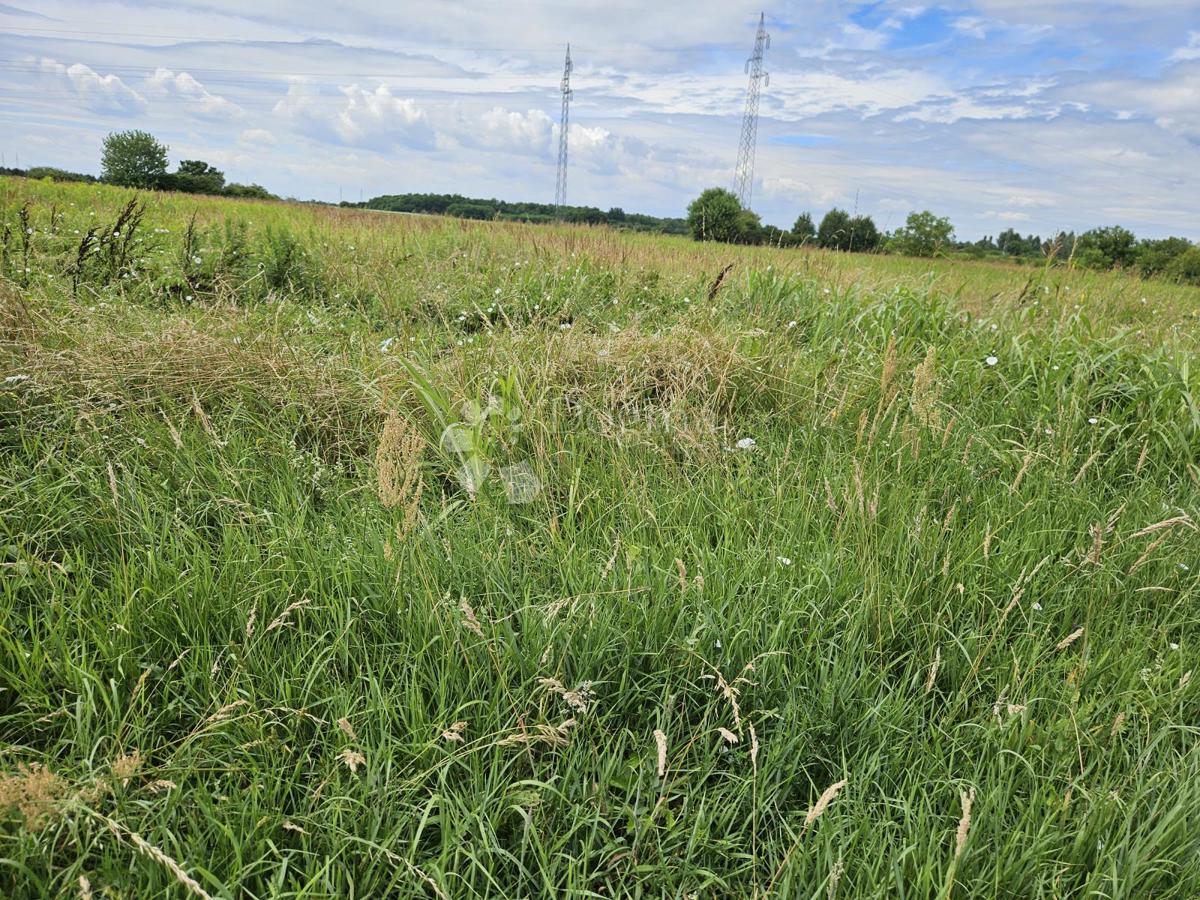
point(194, 97)
point(99, 93)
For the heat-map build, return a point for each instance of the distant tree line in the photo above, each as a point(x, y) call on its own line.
point(137, 159)
point(717, 215)
point(476, 208)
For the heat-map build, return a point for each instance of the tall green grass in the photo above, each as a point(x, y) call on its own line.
point(802, 528)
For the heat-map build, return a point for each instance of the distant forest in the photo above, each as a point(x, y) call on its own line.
point(476, 208)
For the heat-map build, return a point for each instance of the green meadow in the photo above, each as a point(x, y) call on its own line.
point(361, 554)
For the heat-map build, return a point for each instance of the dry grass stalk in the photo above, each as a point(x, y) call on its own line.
point(85, 888)
point(112, 486)
point(660, 743)
point(753, 748)
point(469, 617)
point(1117, 725)
point(933, 669)
point(346, 728)
point(126, 766)
point(827, 797)
point(398, 470)
point(161, 785)
point(1154, 544)
point(156, 854)
point(964, 824)
point(730, 737)
point(835, 875)
point(578, 699)
point(454, 734)
point(1141, 461)
point(283, 618)
point(250, 620)
point(292, 826)
point(35, 792)
point(555, 735)
point(1083, 469)
point(352, 759)
point(226, 711)
point(1097, 531)
point(683, 579)
point(887, 374)
point(1069, 639)
point(729, 692)
point(1016, 485)
point(1185, 679)
point(925, 391)
point(1184, 520)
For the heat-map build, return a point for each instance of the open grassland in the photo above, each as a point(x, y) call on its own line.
point(350, 554)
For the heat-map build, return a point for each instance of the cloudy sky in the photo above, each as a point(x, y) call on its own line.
point(1031, 114)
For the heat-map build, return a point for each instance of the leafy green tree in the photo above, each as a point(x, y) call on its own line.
point(1185, 267)
point(750, 228)
point(804, 231)
point(249, 191)
point(1107, 248)
point(1153, 257)
point(133, 159)
point(923, 234)
point(716, 215)
point(195, 176)
point(864, 236)
point(834, 233)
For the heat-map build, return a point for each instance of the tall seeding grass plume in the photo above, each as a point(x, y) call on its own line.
point(347, 553)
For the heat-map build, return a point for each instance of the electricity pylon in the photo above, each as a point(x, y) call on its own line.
point(743, 178)
point(560, 185)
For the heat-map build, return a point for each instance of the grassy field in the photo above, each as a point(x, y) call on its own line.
point(352, 554)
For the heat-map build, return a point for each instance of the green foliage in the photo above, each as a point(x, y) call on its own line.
point(133, 159)
point(829, 527)
point(58, 174)
point(248, 191)
point(923, 234)
point(804, 231)
point(1154, 257)
point(195, 176)
point(864, 236)
point(1107, 248)
point(717, 215)
point(476, 208)
point(1185, 268)
point(834, 233)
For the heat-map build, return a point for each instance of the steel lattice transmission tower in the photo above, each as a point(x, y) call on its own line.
point(560, 185)
point(743, 178)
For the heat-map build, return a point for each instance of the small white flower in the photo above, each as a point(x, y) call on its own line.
point(1183, 567)
point(746, 443)
point(1093, 420)
point(564, 326)
point(791, 324)
point(995, 327)
point(497, 292)
point(827, 291)
point(991, 360)
point(1037, 607)
point(386, 345)
point(718, 643)
point(1174, 646)
point(188, 298)
point(783, 560)
point(1055, 368)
